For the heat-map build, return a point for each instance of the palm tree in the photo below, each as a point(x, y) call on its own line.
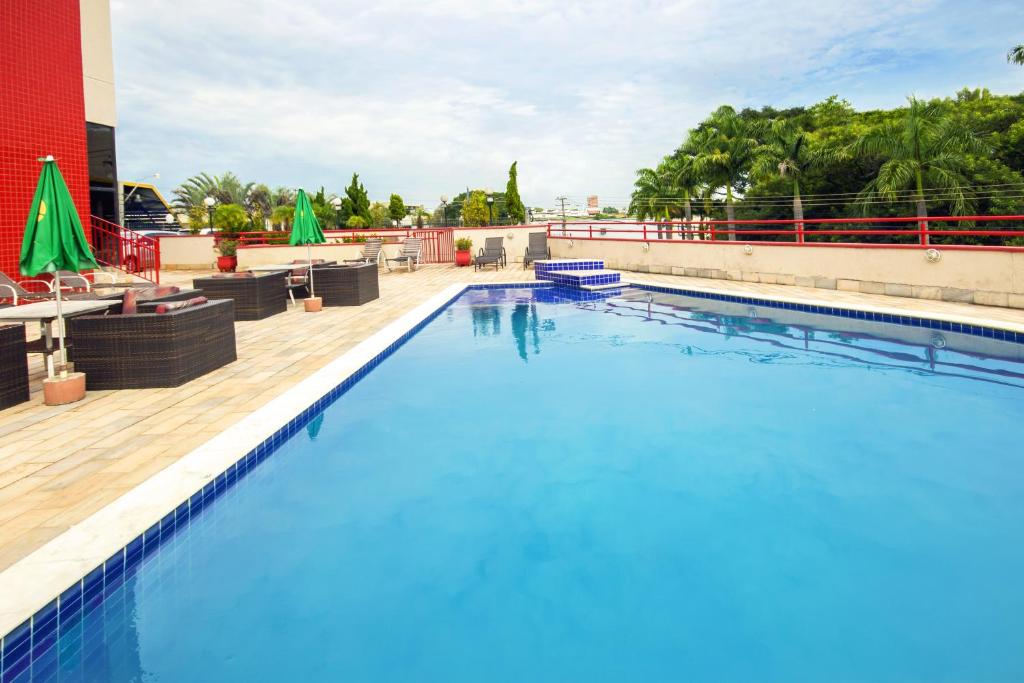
point(1016, 55)
point(926, 147)
point(651, 194)
point(226, 189)
point(724, 149)
point(685, 181)
point(786, 152)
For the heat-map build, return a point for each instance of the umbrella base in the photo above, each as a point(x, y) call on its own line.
point(60, 390)
point(313, 305)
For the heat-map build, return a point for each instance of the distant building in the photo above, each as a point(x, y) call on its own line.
point(593, 207)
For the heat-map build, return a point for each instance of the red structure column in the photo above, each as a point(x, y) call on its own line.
point(42, 111)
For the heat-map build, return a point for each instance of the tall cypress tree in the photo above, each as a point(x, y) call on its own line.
point(356, 201)
point(513, 204)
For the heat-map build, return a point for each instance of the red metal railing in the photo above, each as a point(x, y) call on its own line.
point(125, 249)
point(438, 245)
point(957, 232)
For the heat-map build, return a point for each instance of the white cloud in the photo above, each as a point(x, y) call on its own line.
point(426, 97)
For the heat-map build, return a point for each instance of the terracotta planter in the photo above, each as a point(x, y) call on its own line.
point(227, 264)
point(313, 305)
point(60, 390)
point(463, 258)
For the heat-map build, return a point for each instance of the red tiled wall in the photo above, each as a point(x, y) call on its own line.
point(42, 111)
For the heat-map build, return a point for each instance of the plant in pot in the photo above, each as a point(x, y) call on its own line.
point(463, 255)
point(228, 259)
point(228, 220)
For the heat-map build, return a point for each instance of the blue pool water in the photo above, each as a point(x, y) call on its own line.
point(646, 487)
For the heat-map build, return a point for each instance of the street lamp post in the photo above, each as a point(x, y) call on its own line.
point(210, 201)
point(490, 206)
point(444, 210)
point(336, 203)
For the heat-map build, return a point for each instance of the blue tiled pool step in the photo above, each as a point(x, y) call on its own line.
point(545, 266)
point(587, 274)
point(583, 278)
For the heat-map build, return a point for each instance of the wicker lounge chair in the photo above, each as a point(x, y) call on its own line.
point(373, 252)
point(347, 285)
point(537, 249)
point(491, 252)
point(151, 349)
point(410, 254)
point(255, 296)
point(13, 366)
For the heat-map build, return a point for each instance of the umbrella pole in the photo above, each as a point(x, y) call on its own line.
point(60, 332)
point(309, 257)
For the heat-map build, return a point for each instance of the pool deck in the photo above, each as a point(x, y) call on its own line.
point(59, 466)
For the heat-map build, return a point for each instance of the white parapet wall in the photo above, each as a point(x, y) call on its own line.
point(981, 276)
point(188, 252)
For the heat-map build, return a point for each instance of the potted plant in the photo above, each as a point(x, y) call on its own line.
point(228, 259)
point(463, 255)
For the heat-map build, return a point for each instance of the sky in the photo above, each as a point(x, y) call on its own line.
point(426, 98)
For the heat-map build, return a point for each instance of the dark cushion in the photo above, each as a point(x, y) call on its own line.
point(232, 275)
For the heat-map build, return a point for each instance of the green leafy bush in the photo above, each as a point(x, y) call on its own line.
point(230, 219)
point(463, 244)
point(227, 247)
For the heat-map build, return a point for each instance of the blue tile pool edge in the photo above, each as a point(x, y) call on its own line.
point(840, 312)
point(34, 638)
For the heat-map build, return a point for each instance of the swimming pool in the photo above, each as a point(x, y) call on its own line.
point(546, 485)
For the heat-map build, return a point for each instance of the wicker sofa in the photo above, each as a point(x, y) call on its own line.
point(147, 349)
point(255, 296)
point(13, 366)
point(346, 285)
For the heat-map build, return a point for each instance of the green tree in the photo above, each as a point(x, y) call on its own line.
point(685, 180)
point(723, 149)
point(474, 209)
point(282, 215)
point(513, 203)
point(355, 222)
point(651, 194)
point(787, 154)
point(229, 219)
point(1016, 55)
point(198, 216)
point(356, 202)
point(380, 217)
point(396, 208)
point(924, 147)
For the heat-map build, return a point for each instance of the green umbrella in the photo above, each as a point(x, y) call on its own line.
point(54, 239)
point(306, 230)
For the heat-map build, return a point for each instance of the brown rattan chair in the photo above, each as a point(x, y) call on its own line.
point(13, 366)
point(255, 296)
point(347, 285)
point(148, 349)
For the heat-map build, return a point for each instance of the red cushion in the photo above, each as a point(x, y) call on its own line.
point(129, 303)
point(177, 305)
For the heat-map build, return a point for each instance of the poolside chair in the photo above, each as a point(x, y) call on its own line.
point(410, 255)
point(298, 277)
point(9, 289)
point(491, 252)
point(373, 252)
point(69, 280)
point(537, 249)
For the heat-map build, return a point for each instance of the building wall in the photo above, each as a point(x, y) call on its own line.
point(98, 62)
point(42, 111)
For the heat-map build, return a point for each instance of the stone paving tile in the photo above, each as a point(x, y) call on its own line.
point(59, 465)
